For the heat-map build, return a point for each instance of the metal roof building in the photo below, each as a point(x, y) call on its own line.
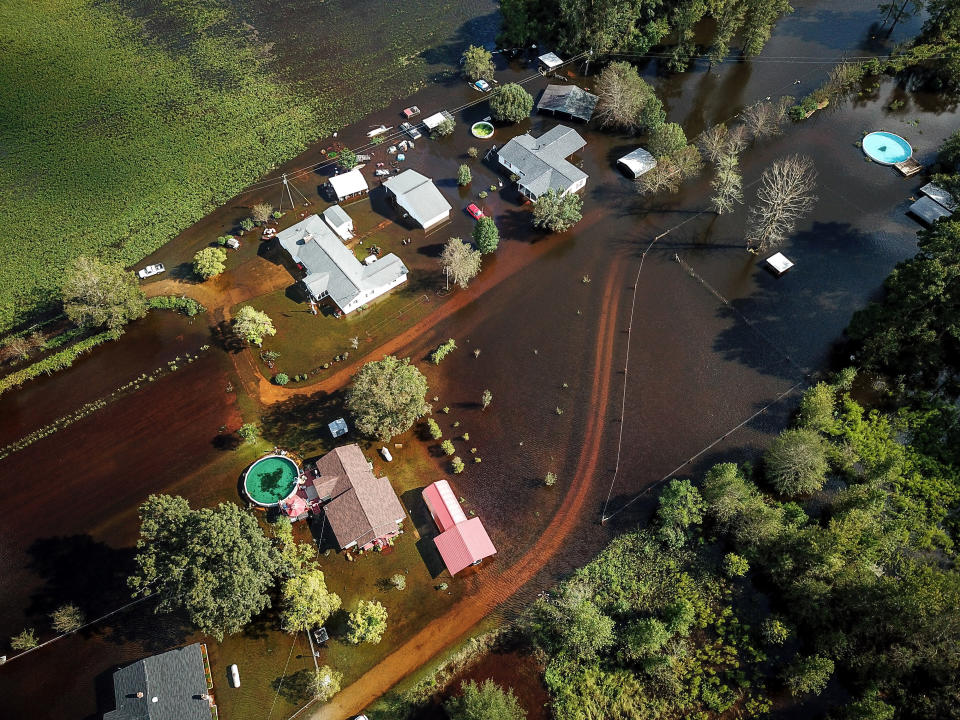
point(550, 60)
point(169, 686)
point(541, 164)
point(637, 163)
point(568, 100)
point(333, 271)
point(462, 542)
point(348, 185)
point(339, 221)
point(928, 211)
point(416, 195)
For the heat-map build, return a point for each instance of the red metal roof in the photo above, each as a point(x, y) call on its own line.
point(464, 544)
point(443, 505)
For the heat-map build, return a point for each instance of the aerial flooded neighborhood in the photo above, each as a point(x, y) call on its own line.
point(506, 360)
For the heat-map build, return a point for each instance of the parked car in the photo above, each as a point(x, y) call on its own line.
point(150, 271)
point(475, 212)
point(482, 85)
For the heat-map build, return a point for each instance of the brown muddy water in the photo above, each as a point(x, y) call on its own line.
point(707, 351)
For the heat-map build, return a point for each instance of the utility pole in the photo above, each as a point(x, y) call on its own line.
point(286, 186)
point(589, 55)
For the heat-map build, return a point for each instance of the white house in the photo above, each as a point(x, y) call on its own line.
point(348, 185)
point(339, 221)
point(333, 271)
point(541, 163)
point(419, 198)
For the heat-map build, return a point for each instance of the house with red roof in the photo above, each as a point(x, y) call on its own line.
point(462, 542)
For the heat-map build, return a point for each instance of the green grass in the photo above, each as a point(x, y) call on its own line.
point(114, 141)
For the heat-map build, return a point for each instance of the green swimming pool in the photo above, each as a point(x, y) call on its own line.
point(271, 479)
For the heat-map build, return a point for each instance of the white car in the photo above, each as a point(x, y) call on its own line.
point(150, 271)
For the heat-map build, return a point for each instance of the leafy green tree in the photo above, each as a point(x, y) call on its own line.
point(295, 557)
point(796, 462)
point(645, 637)
point(625, 100)
point(486, 701)
point(680, 616)
point(511, 103)
point(306, 602)
point(457, 465)
point(477, 63)
point(447, 447)
point(182, 558)
point(808, 675)
point(816, 408)
point(387, 397)
point(571, 623)
point(24, 641)
point(557, 212)
point(347, 159)
point(99, 294)
point(735, 566)
point(486, 236)
point(464, 176)
point(870, 707)
point(434, 429)
point(399, 581)
point(444, 128)
point(774, 631)
point(367, 623)
point(209, 262)
point(460, 262)
point(680, 505)
point(326, 683)
point(249, 432)
point(252, 325)
point(667, 139)
point(948, 156)
point(67, 618)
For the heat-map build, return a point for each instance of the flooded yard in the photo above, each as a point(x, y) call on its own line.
point(712, 340)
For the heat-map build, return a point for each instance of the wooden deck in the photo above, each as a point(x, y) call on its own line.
point(908, 167)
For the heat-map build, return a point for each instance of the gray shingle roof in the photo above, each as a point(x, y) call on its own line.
point(336, 216)
point(569, 100)
point(175, 678)
point(417, 194)
point(542, 163)
point(332, 267)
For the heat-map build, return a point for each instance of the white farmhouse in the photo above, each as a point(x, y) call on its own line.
point(541, 163)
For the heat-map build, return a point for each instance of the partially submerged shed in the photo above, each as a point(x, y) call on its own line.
point(928, 211)
point(637, 163)
point(940, 196)
point(432, 122)
point(549, 61)
point(779, 263)
point(348, 185)
point(567, 100)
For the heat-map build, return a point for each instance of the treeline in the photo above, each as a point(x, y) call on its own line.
point(832, 562)
point(616, 26)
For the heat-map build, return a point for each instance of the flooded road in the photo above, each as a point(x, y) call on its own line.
point(712, 341)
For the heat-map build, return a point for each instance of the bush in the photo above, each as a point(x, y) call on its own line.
point(511, 103)
point(473, 152)
point(667, 139)
point(281, 379)
point(735, 566)
point(24, 641)
point(447, 447)
point(67, 618)
point(550, 480)
point(249, 432)
point(261, 212)
point(399, 581)
point(774, 631)
point(485, 235)
point(442, 351)
point(434, 429)
point(457, 465)
point(796, 462)
point(816, 408)
point(464, 176)
point(185, 305)
point(209, 262)
point(808, 675)
point(446, 127)
point(487, 701)
point(247, 224)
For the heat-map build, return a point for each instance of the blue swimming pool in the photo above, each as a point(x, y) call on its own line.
point(886, 148)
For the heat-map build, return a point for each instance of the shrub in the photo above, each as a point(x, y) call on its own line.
point(24, 641)
point(774, 631)
point(446, 127)
point(511, 103)
point(550, 480)
point(247, 224)
point(458, 465)
point(808, 675)
point(486, 399)
point(464, 176)
point(185, 305)
point(399, 581)
point(447, 447)
point(473, 152)
point(442, 351)
point(249, 432)
point(816, 408)
point(434, 429)
point(261, 212)
point(281, 379)
point(209, 262)
point(67, 618)
point(735, 566)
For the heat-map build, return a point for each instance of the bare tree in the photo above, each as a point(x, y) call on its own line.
point(766, 118)
point(785, 196)
point(670, 172)
point(261, 212)
point(625, 100)
point(727, 184)
point(713, 142)
point(460, 261)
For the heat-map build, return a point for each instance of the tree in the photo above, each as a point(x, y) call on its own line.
point(486, 399)
point(774, 631)
point(735, 566)
point(447, 447)
point(460, 262)
point(261, 212)
point(306, 602)
point(24, 641)
point(215, 564)
point(387, 397)
point(464, 176)
point(766, 117)
point(796, 462)
point(680, 506)
point(97, 294)
point(486, 701)
point(557, 212)
point(485, 235)
point(434, 429)
point(457, 465)
point(816, 408)
point(295, 557)
point(511, 103)
point(785, 196)
point(477, 64)
point(645, 637)
point(896, 9)
point(670, 172)
point(625, 100)
point(444, 128)
point(667, 139)
point(367, 623)
point(347, 159)
point(571, 623)
point(249, 432)
point(808, 675)
point(252, 324)
point(326, 683)
point(210, 262)
point(67, 618)
point(727, 185)
point(399, 581)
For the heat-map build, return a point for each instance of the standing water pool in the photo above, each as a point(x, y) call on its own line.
point(271, 479)
point(886, 148)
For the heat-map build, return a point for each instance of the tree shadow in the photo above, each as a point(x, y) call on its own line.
point(297, 688)
point(300, 421)
point(226, 441)
point(222, 334)
point(426, 529)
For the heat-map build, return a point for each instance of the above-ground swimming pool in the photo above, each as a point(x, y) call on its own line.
point(271, 479)
point(886, 148)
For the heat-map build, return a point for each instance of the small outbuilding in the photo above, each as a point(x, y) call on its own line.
point(928, 211)
point(339, 221)
point(175, 685)
point(549, 61)
point(432, 122)
point(568, 101)
point(637, 163)
point(940, 196)
point(462, 542)
point(418, 197)
point(338, 428)
point(348, 185)
point(779, 263)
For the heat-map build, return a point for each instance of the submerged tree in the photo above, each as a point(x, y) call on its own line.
point(99, 294)
point(387, 397)
point(67, 618)
point(261, 212)
point(625, 100)
point(667, 139)
point(796, 462)
point(209, 262)
point(367, 623)
point(477, 63)
point(485, 235)
point(727, 184)
point(766, 118)
point(670, 172)
point(511, 103)
point(785, 196)
point(306, 602)
point(557, 212)
point(486, 701)
point(460, 262)
point(464, 176)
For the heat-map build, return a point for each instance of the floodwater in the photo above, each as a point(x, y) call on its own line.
point(712, 340)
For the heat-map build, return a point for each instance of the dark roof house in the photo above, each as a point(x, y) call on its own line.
point(362, 508)
point(541, 163)
point(567, 100)
point(169, 686)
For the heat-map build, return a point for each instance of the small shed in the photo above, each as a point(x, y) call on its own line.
point(928, 211)
point(462, 542)
point(637, 163)
point(549, 61)
point(940, 196)
point(339, 221)
point(348, 185)
point(567, 100)
point(338, 427)
point(434, 120)
point(779, 263)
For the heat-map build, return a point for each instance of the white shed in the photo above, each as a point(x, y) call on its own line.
point(339, 221)
point(550, 60)
point(637, 162)
point(348, 185)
